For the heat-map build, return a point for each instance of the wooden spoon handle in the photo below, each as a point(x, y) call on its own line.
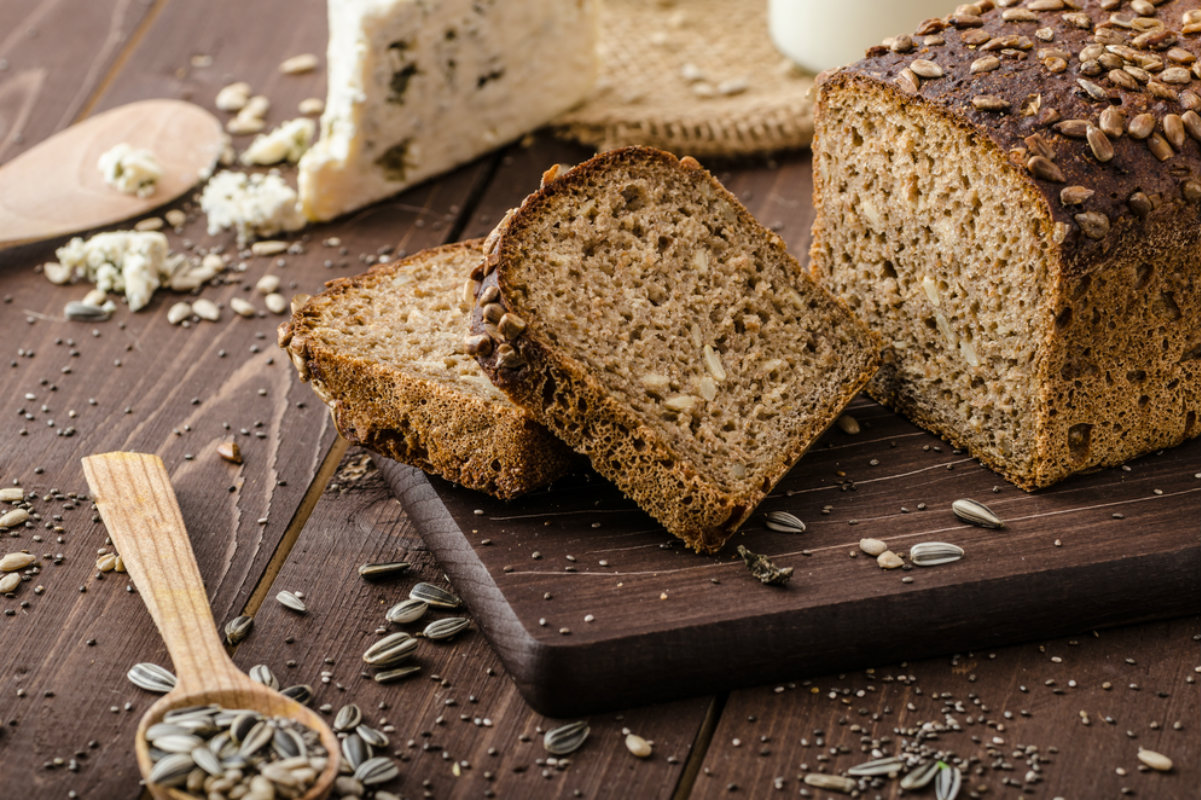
point(138, 505)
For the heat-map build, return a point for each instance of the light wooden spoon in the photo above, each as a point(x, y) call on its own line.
point(138, 506)
point(56, 188)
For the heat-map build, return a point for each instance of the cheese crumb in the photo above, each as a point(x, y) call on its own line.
point(288, 143)
point(118, 261)
point(130, 170)
point(251, 205)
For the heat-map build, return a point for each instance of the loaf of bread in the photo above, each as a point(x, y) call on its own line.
point(1011, 197)
point(639, 312)
point(385, 351)
point(418, 87)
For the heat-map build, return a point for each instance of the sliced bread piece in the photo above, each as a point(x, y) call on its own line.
point(385, 351)
point(643, 315)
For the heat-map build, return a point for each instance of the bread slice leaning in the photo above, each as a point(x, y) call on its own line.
point(642, 315)
point(385, 351)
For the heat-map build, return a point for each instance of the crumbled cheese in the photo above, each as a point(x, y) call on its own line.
point(416, 88)
point(117, 261)
point(288, 143)
point(130, 170)
point(251, 205)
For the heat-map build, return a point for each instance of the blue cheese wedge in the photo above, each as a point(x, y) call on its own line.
point(417, 88)
point(251, 205)
point(130, 170)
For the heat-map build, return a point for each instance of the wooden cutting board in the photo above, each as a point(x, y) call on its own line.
point(592, 606)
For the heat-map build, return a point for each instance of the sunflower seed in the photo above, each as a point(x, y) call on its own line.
point(289, 600)
point(924, 68)
point(376, 770)
point(873, 547)
point(160, 729)
point(383, 569)
point(348, 716)
point(242, 725)
point(390, 650)
point(18, 516)
point(784, 522)
point(446, 628)
point(12, 494)
point(287, 744)
point(407, 611)
point(302, 693)
point(879, 766)
point(848, 424)
point(85, 312)
point(391, 675)
point(15, 561)
point(371, 736)
point(931, 554)
point(835, 783)
point(207, 760)
point(190, 712)
point(171, 770)
point(435, 596)
point(948, 781)
point(566, 738)
point(355, 750)
point(257, 738)
point(10, 582)
point(889, 560)
point(920, 777)
point(638, 747)
point(261, 673)
point(238, 629)
point(1156, 761)
point(976, 513)
point(177, 743)
point(151, 677)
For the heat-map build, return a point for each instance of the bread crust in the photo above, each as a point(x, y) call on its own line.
point(492, 447)
point(563, 394)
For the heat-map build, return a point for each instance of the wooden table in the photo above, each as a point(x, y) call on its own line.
point(303, 511)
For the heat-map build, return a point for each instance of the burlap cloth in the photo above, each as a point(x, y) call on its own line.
point(697, 77)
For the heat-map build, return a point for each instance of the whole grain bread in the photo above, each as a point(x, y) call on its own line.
point(384, 350)
point(1011, 196)
point(636, 309)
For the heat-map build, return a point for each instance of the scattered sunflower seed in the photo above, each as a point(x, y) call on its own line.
point(302, 693)
point(873, 547)
point(10, 582)
point(784, 522)
point(762, 568)
point(920, 777)
point(835, 783)
point(291, 601)
point(848, 424)
point(238, 629)
point(261, 673)
point(566, 739)
point(947, 782)
point(15, 561)
point(11, 519)
point(400, 673)
point(390, 650)
point(889, 560)
point(348, 716)
point(638, 746)
point(376, 770)
point(407, 611)
point(151, 677)
point(86, 312)
point(355, 751)
point(230, 452)
point(435, 596)
point(383, 569)
point(880, 766)
point(976, 513)
point(446, 628)
point(931, 554)
point(372, 736)
point(1156, 761)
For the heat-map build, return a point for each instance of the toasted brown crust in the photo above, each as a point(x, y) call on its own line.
point(493, 447)
point(563, 394)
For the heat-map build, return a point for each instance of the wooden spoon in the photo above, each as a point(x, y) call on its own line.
point(138, 505)
point(56, 188)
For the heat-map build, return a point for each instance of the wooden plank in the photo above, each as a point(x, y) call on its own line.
point(712, 628)
point(182, 388)
point(55, 53)
point(439, 716)
point(831, 722)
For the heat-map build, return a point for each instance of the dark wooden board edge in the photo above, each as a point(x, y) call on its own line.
point(560, 679)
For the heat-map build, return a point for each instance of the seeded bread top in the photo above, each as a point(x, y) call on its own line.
point(1098, 102)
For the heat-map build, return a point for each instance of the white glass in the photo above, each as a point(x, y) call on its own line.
point(819, 34)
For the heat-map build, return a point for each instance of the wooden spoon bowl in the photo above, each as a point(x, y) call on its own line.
point(138, 506)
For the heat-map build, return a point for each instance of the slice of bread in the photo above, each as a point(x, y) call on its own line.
point(643, 315)
point(385, 351)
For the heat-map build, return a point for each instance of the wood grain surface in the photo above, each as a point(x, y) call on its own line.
point(69, 632)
